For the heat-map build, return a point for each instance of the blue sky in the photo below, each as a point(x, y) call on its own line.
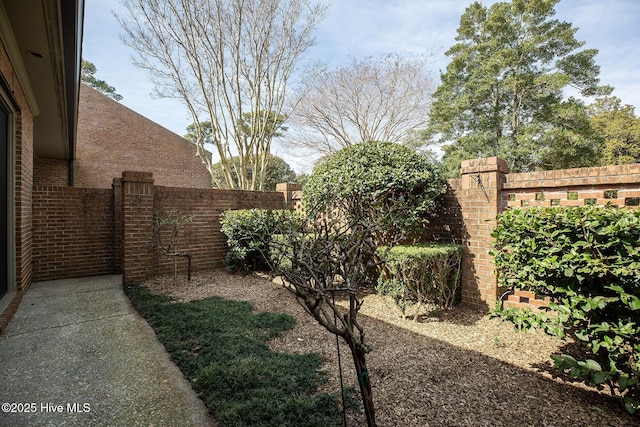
point(359, 28)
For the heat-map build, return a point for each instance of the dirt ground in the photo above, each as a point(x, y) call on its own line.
point(457, 369)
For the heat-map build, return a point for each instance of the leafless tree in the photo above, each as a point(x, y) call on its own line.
point(229, 61)
point(326, 261)
point(385, 98)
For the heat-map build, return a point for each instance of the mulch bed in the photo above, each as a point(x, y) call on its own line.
point(460, 368)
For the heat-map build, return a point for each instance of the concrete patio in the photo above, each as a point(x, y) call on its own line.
point(76, 353)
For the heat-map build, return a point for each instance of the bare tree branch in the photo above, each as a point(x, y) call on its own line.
point(224, 59)
point(374, 99)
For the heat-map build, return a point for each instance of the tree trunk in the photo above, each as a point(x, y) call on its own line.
point(359, 360)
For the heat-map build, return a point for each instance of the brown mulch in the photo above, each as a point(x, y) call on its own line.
point(457, 369)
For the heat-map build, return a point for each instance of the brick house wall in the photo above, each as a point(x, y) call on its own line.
point(51, 172)
point(22, 156)
point(23, 197)
point(20, 170)
point(112, 138)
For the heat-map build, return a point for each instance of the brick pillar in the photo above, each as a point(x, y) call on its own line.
point(480, 202)
point(117, 222)
point(289, 189)
point(137, 226)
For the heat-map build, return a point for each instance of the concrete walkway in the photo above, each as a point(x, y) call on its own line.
point(76, 353)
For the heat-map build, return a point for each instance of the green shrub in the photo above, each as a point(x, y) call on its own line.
point(380, 183)
point(587, 259)
point(423, 273)
point(249, 232)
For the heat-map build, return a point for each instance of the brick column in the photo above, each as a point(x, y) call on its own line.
point(117, 223)
point(480, 202)
point(137, 226)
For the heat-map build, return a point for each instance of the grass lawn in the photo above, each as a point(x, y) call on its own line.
point(221, 347)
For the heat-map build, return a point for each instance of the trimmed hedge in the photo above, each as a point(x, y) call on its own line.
point(419, 274)
point(587, 259)
point(248, 234)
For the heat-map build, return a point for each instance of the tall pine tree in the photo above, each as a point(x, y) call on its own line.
point(503, 93)
point(87, 75)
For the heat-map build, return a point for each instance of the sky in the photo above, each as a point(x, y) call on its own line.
point(360, 28)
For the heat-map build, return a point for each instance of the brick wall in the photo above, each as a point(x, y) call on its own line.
point(20, 169)
point(137, 225)
point(51, 172)
point(73, 232)
point(479, 198)
point(617, 185)
point(23, 194)
point(292, 195)
point(82, 231)
point(112, 138)
point(202, 239)
point(486, 189)
point(467, 212)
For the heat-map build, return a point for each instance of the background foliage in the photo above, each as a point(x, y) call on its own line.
point(276, 172)
point(619, 128)
point(87, 76)
point(503, 92)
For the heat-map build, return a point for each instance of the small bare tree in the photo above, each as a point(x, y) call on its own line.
point(229, 61)
point(169, 225)
point(373, 99)
point(328, 257)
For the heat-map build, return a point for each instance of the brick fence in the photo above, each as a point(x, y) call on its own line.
point(202, 239)
point(80, 232)
point(486, 188)
point(83, 232)
point(466, 213)
point(72, 232)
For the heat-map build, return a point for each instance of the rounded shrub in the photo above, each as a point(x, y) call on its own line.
point(249, 233)
point(381, 183)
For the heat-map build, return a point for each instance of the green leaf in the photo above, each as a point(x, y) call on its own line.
point(574, 372)
point(570, 360)
point(558, 361)
point(597, 378)
point(624, 382)
point(631, 406)
point(592, 365)
point(582, 335)
point(616, 288)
